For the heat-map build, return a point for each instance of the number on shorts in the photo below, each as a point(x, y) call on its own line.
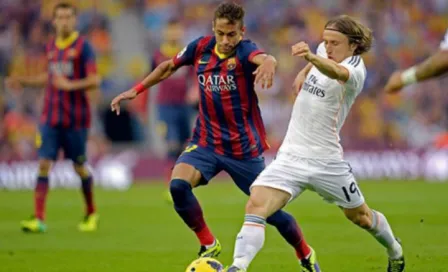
point(190, 148)
point(38, 140)
point(352, 188)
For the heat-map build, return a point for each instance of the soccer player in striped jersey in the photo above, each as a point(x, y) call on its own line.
point(434, 66)
point(229, 134)
point(66, 112)
point(311, 157)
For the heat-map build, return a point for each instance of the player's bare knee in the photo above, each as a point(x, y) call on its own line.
point(44, 167)
point(257, 203)
point(186, 173)
point(255, 206)
point(81, 170)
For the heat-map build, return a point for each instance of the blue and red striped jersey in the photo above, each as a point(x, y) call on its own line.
point(229, 120)
point(173, 90)
point(69, 109)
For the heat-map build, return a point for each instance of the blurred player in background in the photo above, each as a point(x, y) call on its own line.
point(229, 134)
point(434, 66)
point(66, 112)
point(311, 156)
point(173, 109)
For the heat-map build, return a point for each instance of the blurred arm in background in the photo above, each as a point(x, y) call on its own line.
point(16, 82)
point(433, 66)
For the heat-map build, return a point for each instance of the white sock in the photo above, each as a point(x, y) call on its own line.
point(249, 241)
point(383, 233)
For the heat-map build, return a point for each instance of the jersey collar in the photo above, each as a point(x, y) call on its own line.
point(64, 43)
point(224, 56)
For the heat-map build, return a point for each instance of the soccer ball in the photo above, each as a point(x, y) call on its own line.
point(205, 265)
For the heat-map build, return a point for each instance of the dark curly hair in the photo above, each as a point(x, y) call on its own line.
point(230, 11)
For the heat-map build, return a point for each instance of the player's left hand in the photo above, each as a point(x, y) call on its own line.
point(394, 84)
point(301, 49)
point(128, 95)
point(62, 83)
point(265, 73)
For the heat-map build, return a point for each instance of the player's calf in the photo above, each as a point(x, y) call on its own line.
point(36, 222)
point(361, 216)
point(184, 178)
point(291, 232)
point(378, 226)
point(263, 202)
point(86, 187)
point(189, 209)
point(41, 189)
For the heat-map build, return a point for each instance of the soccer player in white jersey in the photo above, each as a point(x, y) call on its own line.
point(311, 156)
point(435, 65)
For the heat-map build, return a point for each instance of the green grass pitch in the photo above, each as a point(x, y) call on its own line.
point(139, 231)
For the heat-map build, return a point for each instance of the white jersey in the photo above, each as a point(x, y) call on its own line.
point(444, 43)
point(320, 110)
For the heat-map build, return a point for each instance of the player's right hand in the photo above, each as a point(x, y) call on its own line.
point(301, 49)
point(128, 95)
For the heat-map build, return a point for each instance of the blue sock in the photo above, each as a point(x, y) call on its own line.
point(87, 192)
point(289, 229)
point(188, 208)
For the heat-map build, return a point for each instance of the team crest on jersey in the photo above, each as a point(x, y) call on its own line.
point(72, 53)
point(231, 64)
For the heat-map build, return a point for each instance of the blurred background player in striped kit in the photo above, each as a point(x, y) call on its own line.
point(65, 119)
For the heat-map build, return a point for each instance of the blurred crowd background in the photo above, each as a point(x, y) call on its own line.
point(125, 33)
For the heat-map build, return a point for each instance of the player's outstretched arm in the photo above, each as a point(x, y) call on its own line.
point(433, 66)
point(160, 73)
point(300, 78)
point(15, 82)
point(265, 71)
point(327, 67)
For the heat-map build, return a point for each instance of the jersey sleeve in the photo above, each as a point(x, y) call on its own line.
point(250, 50)
point(444, 43)
point(321, 51)
point(89, 58)
point(187, 55)
point(357, 72)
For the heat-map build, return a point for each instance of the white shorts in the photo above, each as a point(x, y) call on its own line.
point(331, 179)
